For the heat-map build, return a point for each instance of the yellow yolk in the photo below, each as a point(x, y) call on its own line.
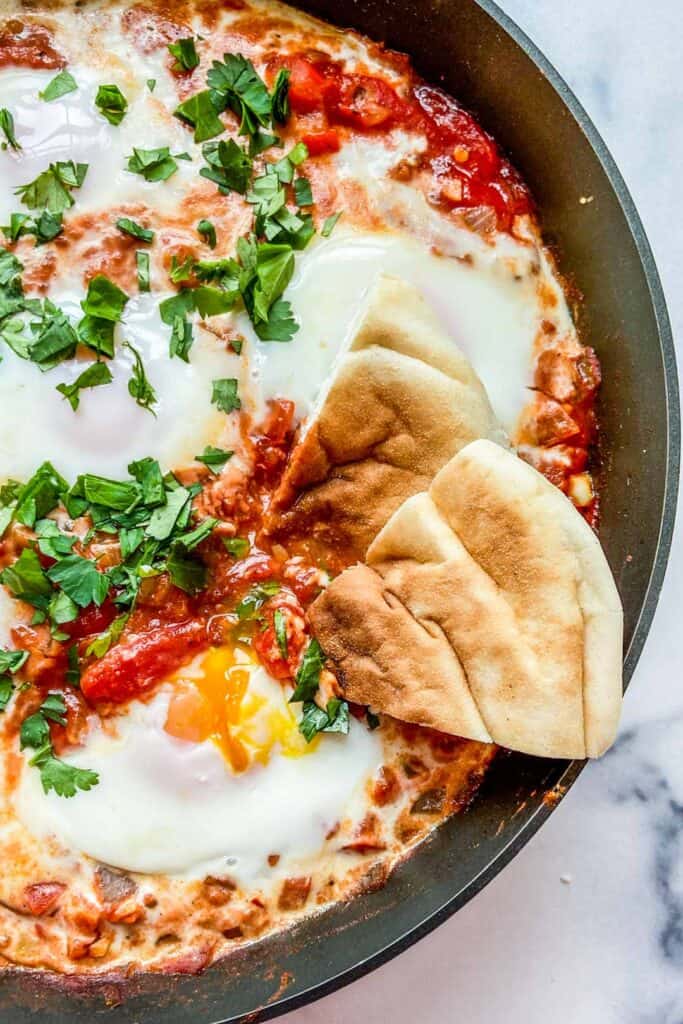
point(213, 700)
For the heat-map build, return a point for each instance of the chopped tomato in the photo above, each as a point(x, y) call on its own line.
point(292, 636)
point(319, 143)
point(365, 103)
point(141, 660)
point(307, 86)
point(42, 897)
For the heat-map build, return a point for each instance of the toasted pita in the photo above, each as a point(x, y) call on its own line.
point(492, 570)
point(402, 401)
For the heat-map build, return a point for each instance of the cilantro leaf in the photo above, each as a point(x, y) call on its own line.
point(238, 547)
point(274, 269)
point(113, 494)
point(139, 386)
point(229, 166)
point(186, 572)
point(11, 661)
point(255, 598)
point(7, 128)
point(26, 579)
point(98, 647)
point(214, 301)
point(60, 85)
point(78, 577)
point(280, 627)
point(98, 334)
point(142, 267)
point(213, 458)
point(51, 190)
point(6, 691)
point(178, 305)
point(182, 338)
point(280, 97)
point(35, 732)
point(61, 609)
point(56, 340)
point(328, 226)
point(224, 394)
point(51, 541)
point(135, 230)
point(303, 192)
point(185, 53)
point(164, 519)
point(334, 719)
point(207, 233)
point(237, 86)
point(39, 495)
point(65, 779)
point(111, 103)
point(104, 299)
point(180, 271)
point(152, 164)
point(148, 474)
point(199, 112)
point(280, 325)
point(92, 377)
point(308, 675)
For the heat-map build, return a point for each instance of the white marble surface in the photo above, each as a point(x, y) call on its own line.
point(585, 926)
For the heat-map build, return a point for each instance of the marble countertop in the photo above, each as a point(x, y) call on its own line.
point(585, 926)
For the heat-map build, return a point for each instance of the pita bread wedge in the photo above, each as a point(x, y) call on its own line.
point(401, 402)
point(486, 609)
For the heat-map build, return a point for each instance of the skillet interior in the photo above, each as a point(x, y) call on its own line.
point(483, 59)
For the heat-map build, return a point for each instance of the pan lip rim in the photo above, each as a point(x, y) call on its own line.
point(572, 769)
point(655, 582)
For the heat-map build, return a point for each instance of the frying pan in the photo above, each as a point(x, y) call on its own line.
point(479, 55)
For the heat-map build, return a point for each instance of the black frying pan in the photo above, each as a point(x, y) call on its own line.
point(471, 48)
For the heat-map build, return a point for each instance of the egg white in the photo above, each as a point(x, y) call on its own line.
point(172, 806)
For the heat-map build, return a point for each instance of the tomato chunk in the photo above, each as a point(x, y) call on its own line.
point(42, 897)
point(292, 632)
point(319, 143)
point(141, 660)
point(307, 86)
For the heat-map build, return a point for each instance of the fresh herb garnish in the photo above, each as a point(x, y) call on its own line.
point(104, 299)
point(199, 112)
point(185, 53)
point(303, 192)
point(139, 386)
point(328, 226)
point(65, 779)
point(229, 166)
point(280, 98)
point(98, 647)
point(237, 86)
point(214, 458)
point(142, 267)
point(207, 233)
point(152, 164)
point(255, 598)
point(334, 719)
point(308, 676)
point(135, 230)
point(224, 394)
point(7, 128)
point(51, 190)
point(95, 375)
point(280, 627)
point(80, 580)
point(60, 85)
point(111, 103)
point(151, 84)
point(238, 547)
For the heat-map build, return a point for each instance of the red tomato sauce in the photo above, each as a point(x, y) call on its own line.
point(28, 46)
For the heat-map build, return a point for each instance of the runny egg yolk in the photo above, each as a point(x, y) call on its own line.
point(213, 700)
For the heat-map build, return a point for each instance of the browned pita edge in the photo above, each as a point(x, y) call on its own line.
point(486, 609)
point(401, 402)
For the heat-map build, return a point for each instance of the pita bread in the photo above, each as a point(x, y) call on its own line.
point(402, 401)
point(486, 609)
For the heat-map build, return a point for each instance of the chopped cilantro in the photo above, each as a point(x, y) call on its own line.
point(328, 226)
point(139, 386)
point(280, 627)
point(237, 86)
point(111, 103)
point(39, 495)
point(214, 458)
point(60, 85)
point(113, 494)
point(308, 675)
point(229, 166)
point(164, 519)
point(182, 339)
point(98, 647)
point(151, 84)
point(51, 541)
point(135, 230)
point(213, 301)
point(6, 691)
point(148, 474)
point(11, 661)
point(334, 719)
point(152, 164)
point(7, 128)
point(185, 53)
point(78, 577)
point(199, 112)
point(51, 190)
point(180, 270)
point(98, 334)
point(65, 779)
point(255, 598)
point(302, 192)
point(224, 394)
point(104, 299)
point(26, 579)
point(142, 267)
point(207, 233)
point(56, 340)
point(238, 547)
point(187, 573)
point(280, 97)
point(92, 377)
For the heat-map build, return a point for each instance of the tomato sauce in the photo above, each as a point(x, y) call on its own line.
point(26, 45)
